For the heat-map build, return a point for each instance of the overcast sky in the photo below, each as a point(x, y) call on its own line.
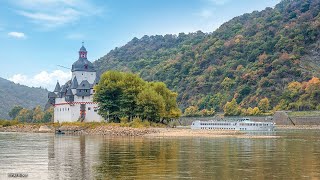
point(38, 35)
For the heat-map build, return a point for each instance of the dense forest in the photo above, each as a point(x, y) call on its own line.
point(250, 58)
point(12, 95)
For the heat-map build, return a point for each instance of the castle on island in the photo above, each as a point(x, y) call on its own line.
point(73, 101)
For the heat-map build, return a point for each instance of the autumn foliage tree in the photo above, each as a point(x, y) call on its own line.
point(232, 108)
point(301, 96)
point(264, 105)
point(35, 115)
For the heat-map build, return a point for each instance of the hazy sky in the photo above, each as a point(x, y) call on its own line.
point(38, 35)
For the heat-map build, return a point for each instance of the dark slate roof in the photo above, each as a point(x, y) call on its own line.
point(74, 83)
point(63, 88)
point(83, 49)
point(52, 95)
point(84, 85)
point(69, 92)
point(82, 64)
point(57, 88)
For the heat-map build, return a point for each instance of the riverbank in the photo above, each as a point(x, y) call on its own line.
point(297, 127)
point(111, 130)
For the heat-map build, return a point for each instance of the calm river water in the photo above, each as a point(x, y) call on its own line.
point(295, 155)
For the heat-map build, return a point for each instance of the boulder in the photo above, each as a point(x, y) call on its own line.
point(44, 129)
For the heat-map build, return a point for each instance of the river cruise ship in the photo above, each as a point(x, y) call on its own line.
point(242, 124)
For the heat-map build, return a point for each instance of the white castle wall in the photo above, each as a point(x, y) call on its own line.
point(83, 75)
point(64, 112)
point(71, 112)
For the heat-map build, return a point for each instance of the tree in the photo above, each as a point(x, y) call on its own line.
point(38, 114)
point(171, 110)
point(227, 83)
point(48, 115)
point(264, 105)
point(232, 108)
point(25, 115)
point(108, 94)
point(126, 95)
point(15, 111)
point(151, 105)
point(191, 111)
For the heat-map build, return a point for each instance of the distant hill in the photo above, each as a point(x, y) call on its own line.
point(250, 57)
point(12, 94)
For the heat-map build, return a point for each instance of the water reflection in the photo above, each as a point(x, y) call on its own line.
point(72, 157)
point(296, 155)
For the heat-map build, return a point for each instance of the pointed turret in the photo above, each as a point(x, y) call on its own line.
point(69, 95)
point(74, 83)
point(63, 90)
point(69, 92)
point(57, 88)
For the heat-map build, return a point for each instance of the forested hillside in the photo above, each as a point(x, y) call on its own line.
point(249, 58)
point(12, 94)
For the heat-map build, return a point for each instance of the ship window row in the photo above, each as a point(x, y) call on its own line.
point(215, 124)
point(63, 109)
point(253, 124)
point(218, 128)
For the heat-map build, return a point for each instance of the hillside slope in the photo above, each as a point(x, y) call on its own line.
point(12, 94)
point(248, 58)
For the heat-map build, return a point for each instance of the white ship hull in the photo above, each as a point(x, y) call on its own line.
point(243, 124)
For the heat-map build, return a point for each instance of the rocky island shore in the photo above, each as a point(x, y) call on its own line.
point(109, 130)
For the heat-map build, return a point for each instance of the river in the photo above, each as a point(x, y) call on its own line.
point(294, 155)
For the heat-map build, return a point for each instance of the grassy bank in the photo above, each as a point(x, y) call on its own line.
point(5, 123)
point(303, 113)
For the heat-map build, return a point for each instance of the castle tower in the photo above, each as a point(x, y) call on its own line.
point(73, 101)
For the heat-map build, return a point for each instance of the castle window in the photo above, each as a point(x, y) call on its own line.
point(82, 97)
point(89, 108)
point(95, 110)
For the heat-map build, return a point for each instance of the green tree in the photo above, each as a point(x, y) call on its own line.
point(126, 95)
point(151, 105)
point(264, 105)
point(172, 110)
point(15, 111)
point(48, 115)
point(227, 83)
point(108, 95)
point(232, 108)
point(191, 111)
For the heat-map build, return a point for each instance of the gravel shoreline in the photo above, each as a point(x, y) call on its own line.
point(298, 127)
point(133, 132)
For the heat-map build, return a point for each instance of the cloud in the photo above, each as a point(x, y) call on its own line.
point(19, 35)
point(55, 13)
point(52, 20)
point(43, 79)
